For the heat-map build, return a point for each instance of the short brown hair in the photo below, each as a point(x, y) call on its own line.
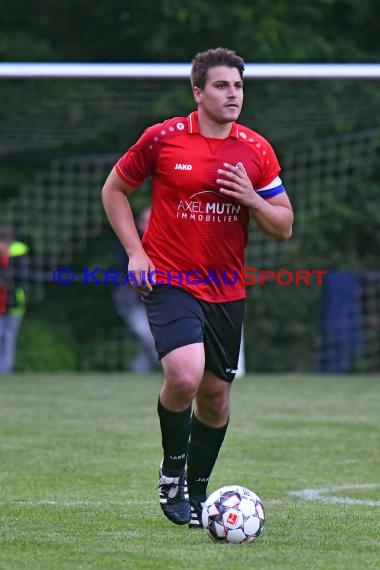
point(204, 60)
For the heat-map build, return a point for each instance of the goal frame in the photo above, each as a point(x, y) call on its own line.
point(23, 70)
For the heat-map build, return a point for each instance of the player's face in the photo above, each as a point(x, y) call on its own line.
point(222, 96)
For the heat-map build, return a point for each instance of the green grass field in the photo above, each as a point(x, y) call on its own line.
point(79, 461)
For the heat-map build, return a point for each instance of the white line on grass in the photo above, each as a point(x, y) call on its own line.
point(322, 496)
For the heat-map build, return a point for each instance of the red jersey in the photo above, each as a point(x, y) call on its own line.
point(196, 236)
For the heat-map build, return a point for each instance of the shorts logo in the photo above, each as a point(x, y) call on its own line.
point(180, 166)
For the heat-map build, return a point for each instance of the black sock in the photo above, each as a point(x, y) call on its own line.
point(204, 446)
point(175, 432)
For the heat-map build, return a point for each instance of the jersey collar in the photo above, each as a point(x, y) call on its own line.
point(193, 127)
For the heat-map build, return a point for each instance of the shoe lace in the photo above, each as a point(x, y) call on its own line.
point(169, 486)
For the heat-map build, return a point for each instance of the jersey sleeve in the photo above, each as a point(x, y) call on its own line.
point(270, 183)
point(138, 162)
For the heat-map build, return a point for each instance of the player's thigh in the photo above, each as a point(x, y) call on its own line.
point(184, 366)
point(176, 319)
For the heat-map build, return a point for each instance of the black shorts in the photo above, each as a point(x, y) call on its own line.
point(176, 319)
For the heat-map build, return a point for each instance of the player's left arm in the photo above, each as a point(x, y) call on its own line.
point(273, 215)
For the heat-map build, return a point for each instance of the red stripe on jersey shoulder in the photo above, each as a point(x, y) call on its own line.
point(139, 161)
point(264, 151)
point(171, 127)
point(251, 137)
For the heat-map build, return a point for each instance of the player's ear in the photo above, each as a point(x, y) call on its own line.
point(197, 93)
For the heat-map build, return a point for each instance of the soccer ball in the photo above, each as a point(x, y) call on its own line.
point(233, 514)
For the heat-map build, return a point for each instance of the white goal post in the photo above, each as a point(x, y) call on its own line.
point(36, 70)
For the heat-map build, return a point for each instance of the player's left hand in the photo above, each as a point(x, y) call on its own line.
point(234, 182)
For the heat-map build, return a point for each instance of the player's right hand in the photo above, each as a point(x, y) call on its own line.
point(141, 267)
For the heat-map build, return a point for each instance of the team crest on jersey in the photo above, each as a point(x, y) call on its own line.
point(240, 165)
point(181, 166)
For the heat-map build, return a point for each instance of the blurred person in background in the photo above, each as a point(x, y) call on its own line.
point(13, 271)
point(131, 309)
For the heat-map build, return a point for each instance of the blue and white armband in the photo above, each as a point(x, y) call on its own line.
point(272, 189)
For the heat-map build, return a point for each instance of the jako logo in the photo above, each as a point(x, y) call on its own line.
point(180, 166)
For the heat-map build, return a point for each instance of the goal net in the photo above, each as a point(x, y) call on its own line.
point(59, 137)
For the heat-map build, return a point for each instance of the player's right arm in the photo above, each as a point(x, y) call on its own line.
point(119, 213)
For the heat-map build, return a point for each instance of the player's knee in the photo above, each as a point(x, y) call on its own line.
point(183, 383)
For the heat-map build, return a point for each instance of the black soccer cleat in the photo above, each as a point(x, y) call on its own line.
point(196, 507)
point(174, 497)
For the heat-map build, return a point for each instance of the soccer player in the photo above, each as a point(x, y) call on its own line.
point(209, 176)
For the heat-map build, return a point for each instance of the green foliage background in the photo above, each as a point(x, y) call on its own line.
point(172, 30)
